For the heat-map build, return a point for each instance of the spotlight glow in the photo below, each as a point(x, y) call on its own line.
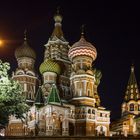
point(1, 43)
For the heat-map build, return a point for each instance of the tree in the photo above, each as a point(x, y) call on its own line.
point(98, 76)
point(12, 101)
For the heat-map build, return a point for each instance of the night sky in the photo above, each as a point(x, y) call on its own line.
point(113, 27)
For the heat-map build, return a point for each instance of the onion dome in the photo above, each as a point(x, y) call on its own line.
point(82, 48)
point(49, 66)
point(25, 50)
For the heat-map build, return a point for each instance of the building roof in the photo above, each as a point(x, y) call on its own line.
point(39, 99)
point(132, 91)
point(25, 50)
point(54, 97)
point(57, 32)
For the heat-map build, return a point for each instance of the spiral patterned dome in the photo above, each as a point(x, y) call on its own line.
point(82, 48)
point(25, 51)
point(49, 66)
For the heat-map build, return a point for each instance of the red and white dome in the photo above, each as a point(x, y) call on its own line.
point(82, 48)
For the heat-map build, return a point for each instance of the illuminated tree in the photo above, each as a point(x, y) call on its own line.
point(12, 102)
point(98, 76)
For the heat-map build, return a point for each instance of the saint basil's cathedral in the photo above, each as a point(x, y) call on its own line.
point(65, 101)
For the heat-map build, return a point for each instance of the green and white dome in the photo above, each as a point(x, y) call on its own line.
point(49, 66)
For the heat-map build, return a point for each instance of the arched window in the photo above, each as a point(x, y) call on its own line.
point(101, 115)
point(88, 92)
point(89, 111)
point(101, 128)
point(131, 107)
point(93, 111)
point(83, 110)
point(131, 96)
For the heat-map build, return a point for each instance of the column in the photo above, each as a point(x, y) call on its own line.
point(65, 127)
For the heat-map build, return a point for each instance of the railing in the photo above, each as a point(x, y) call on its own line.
point(103, 119)
point(120, 137)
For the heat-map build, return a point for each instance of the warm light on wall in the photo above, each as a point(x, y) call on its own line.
point(1, 43)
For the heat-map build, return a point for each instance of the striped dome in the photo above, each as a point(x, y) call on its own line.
point(49, 66)
point(25, 51)
point(82, 48)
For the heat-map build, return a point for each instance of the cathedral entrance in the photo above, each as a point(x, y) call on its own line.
point(101, 130)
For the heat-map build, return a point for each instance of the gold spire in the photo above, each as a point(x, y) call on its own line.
point(57, 16)
point(58, 10)
point(57, 29)
point(25, 35)
point(132, 67)
point(82, 33)
point(82, 30)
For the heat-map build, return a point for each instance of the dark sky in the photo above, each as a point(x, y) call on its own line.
point(112, 26)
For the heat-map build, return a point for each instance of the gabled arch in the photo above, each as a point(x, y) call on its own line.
point(30, 73)
point(19, 72)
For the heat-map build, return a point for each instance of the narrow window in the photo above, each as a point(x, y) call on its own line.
point(131, 107)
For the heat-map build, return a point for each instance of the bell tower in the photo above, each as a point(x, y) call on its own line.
point(131, 103)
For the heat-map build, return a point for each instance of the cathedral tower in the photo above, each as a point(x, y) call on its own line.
point(90, 118)
point(50, 70)
point(57, 48)
point(82, 54)
point(25, 72)
point(131, 102)
point(56, 114)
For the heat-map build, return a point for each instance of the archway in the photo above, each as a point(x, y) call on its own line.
point(101, 130)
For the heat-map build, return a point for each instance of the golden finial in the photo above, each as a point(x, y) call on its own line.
point(82, 29)
point(57, 16)
point(25, 35)
point(58, 10)
point(132, 66)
